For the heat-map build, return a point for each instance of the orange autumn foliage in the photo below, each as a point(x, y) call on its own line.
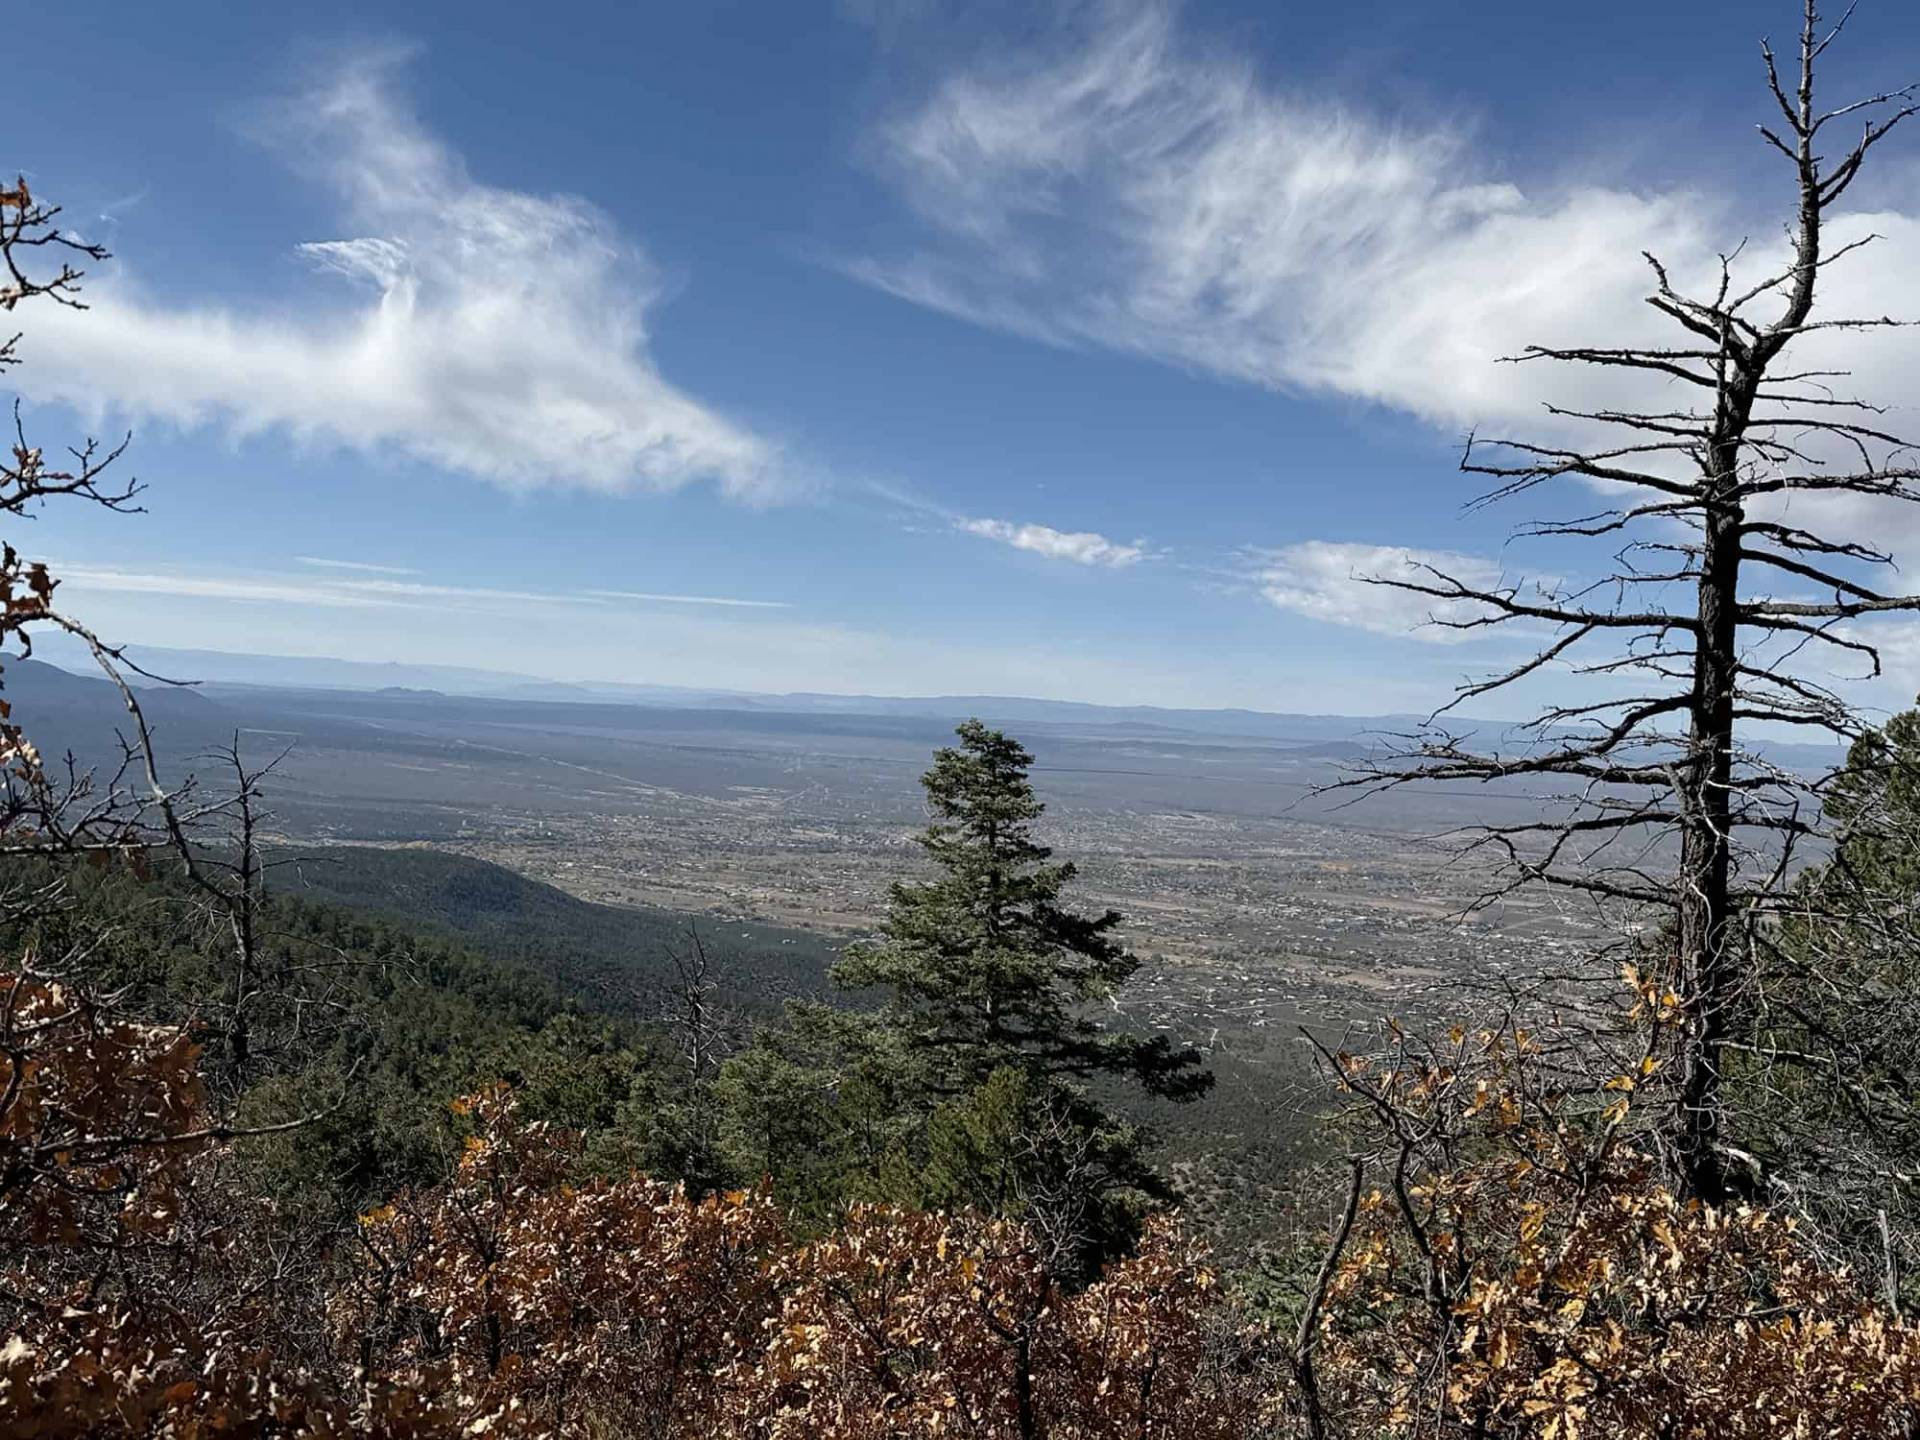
point(527, 1304)
point(1524, 1271)
point(910, 1324)
point(1545, 1286)
point(523, 1302)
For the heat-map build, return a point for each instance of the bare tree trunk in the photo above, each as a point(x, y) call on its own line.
point(1707, 927)
point(1026, 1413)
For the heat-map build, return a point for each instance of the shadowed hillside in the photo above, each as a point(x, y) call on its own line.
point(613, 958)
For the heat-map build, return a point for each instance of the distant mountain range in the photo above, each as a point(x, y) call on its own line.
point(222, 675)
point(217, 670)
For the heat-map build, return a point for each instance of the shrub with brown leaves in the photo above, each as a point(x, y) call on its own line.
point(1514, 1268)
point(1521, 1269)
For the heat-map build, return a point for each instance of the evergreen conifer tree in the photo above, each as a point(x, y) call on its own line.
point(1824, 1072)
point(985, 967)
point(985, 1079)
point(992, 1037)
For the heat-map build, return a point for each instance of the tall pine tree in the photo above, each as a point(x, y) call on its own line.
point(985, 1079)
point(992, 1037)
point(986, 969)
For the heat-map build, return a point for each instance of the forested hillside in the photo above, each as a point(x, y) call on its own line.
point(393, 1020)
point(614, 958)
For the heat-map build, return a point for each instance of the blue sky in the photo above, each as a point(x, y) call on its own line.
point(1085, 351)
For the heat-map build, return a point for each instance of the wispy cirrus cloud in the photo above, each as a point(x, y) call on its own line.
point(280, 590)
point(407, 591)
point(361, 566)
point(1079, 547)
point(1126, 185)
point(360, 592)
point(492, 332)
point(728, 602)
point(1082, 547)
point(1339, 583)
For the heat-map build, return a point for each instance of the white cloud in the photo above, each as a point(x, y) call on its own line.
point(1129, 189)
point(493, 332)
point(1333, 582)
point(291, 590)
point(1083, 547)
point(337, 592)
point(1895, 688)
point(728, 601)
point(357, 565)
point(403, 591)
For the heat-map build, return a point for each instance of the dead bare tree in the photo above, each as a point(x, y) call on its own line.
point(119, 805)
point(226, 871)
point(696, 1018)
point(700, 1026)
point(1057, 1183)
point(1306, 1339)
point(68, 807)
point(56, 807)
point(1690, 631)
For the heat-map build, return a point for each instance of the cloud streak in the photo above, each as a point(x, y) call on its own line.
point(492, 332)
point(288, 590)
point(726, 601)
point(1337, 583)
point(1081, 547)
point(354, 565)
point(360, 593)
